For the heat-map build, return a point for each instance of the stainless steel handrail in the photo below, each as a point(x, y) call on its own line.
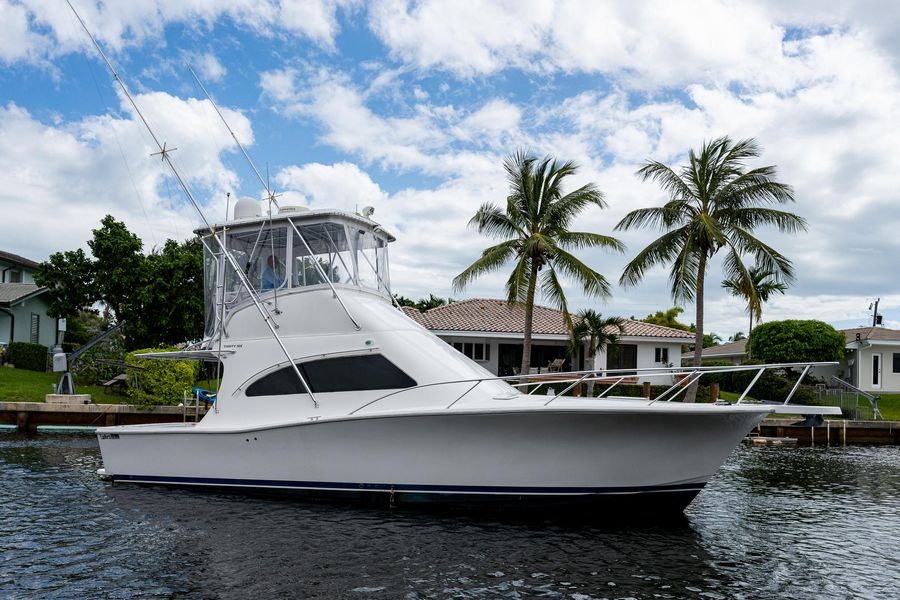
point(692, 374)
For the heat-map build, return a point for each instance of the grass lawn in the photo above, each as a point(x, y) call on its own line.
point(22, 385)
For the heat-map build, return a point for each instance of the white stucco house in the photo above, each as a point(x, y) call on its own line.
point(871, 362)
point(490, 332)
point(23, 303)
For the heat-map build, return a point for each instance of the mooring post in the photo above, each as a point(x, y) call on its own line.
point(22, 422)
point(647, 390)
point(828, 434)
point(713, 392)
point(845, 433)
point(812, 436)
point(110, 419)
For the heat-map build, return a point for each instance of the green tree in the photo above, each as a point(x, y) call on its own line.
point(737, 336)
point(70, 279)
point(598, 333)
point(118, 267)
point(668, 318)
point(715, 203)
point(534, 227)
point(797, 341)
point(167, 307)
point(158, 296)
point(756, 291)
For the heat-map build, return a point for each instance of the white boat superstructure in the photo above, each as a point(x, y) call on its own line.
point(372, 403)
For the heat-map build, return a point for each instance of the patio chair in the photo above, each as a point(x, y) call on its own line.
point(556, 365)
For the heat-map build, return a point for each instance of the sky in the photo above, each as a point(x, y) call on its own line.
point(411, 107)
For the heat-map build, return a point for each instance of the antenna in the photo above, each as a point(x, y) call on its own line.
point(164, 155)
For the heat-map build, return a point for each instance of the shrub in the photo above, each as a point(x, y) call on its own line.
point(158, 381)
point(98, 364)
point(25, 355)
point(797, 341)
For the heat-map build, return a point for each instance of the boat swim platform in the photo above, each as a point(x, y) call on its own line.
point(28, 416)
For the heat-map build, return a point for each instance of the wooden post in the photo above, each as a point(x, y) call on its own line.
point(647, 389)
point(22, 422)
point(577, 390)
point(110, 419)
point(713, 392)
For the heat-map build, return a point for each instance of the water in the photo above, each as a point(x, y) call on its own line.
point(799, 523)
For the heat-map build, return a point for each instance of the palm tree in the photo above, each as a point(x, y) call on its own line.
point(598, 333)
point(715, 203)
point(756, 290)
point(534, 227)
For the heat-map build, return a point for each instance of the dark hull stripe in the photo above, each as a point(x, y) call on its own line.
point(387, 487)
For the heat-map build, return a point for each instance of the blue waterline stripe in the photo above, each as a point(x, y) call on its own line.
point(403, 487)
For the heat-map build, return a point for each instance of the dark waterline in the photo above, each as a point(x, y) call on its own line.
point(799, 523)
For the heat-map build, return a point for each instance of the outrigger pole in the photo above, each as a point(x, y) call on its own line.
point(164, 154)
point(272, 198)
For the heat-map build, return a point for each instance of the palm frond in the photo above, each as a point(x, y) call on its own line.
point(491, 259)
point(592, 283)
point(582, 239)
point(765, 256)
point(657, 252)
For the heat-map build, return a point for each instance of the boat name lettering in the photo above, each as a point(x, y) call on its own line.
point(109, 436)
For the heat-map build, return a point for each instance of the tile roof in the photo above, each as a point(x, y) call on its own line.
point(872, 334)
point(19, 260)
point(729, 349)
point(11, 293)
point(498, 316)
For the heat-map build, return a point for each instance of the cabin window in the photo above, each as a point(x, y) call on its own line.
point(896, 362)
point(261, 253)
point(324, 255)
point(15, 276)
point(475, 351)
point(661, 355)
point(339, 374)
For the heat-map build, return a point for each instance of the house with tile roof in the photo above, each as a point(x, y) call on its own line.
point(490, 332)
point(871, 362)
point(23, 303)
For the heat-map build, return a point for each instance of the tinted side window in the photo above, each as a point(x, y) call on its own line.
point(340, 374)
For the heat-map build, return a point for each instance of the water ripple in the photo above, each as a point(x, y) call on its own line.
point(775, 522)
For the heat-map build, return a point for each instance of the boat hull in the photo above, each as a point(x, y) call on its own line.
point(509, 458)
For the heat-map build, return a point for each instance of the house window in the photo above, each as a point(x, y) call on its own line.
point(475, 351)
point(35, 328)
point(342, 374)
point(662, 355)
point(15, 276)
point(896, 362)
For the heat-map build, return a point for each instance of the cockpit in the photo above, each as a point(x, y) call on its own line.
point(291, 250)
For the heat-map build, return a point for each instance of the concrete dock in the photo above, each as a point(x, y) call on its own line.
point(28, 416)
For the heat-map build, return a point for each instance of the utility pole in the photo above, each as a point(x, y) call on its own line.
point(876, 319)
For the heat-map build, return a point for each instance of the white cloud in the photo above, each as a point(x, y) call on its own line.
point(209, 67)
point(17, 41)
point(52, 28)
point(63, 178)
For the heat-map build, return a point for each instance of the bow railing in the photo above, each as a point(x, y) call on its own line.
point(680, 379)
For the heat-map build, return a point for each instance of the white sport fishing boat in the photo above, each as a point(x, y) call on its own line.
point(352, 397)
point(329, 389)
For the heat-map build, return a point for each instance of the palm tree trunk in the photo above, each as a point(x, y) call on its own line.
point(749, 333)
point(529, 315)
point(592, 356)
point(691, 394)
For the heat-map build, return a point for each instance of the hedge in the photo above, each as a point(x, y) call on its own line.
point(158, 381)
point(25, 355)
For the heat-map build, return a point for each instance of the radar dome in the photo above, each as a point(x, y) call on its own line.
point(246, 208)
